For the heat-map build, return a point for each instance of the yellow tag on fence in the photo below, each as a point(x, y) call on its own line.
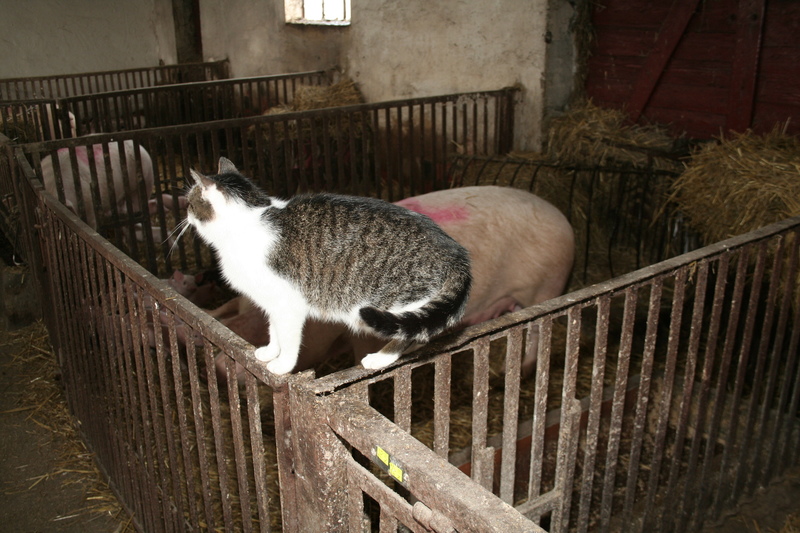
point(388, 464)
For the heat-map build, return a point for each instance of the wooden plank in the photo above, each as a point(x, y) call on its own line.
point(700, 99)
point(694, 124)
point(623, 42)
point(782, 25)
point(670, 35)
point(745, 64)
point(767, 115)
point(679, 72)
point(627, 14)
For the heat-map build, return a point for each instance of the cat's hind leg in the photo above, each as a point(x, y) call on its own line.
point(386, 355)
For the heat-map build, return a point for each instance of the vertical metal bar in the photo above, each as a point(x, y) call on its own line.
point(545, 326)
point(173, 501)
point(687, 396)
point(724, 491)
point(402, 398)
point(688, 505)
point(595, 410)
point(200, 432)
point(676, 317)
point(755, 424)
point(618, 404)
point(645, 379)
point(718, 402)
point(144, 422)
point(482, 457)
point(218, 434)
point(565, 467)
point(511, 414)
point(238, 433)
point(570, 422)
point(784, 427)
point(258, 453)
point(441, 406)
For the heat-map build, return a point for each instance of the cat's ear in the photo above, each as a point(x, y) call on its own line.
point(198, 178)
point(226, 166)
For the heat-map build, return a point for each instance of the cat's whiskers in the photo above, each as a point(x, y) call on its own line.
point(181, 228)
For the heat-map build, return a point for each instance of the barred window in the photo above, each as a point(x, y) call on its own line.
point(324, 12)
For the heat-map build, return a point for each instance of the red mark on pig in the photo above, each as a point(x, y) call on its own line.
point(440, 216)
point(80, 153)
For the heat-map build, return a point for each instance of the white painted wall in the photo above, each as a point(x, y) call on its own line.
point(409, 48)
point(46, 37)
point(257, 40)
point(392, 49)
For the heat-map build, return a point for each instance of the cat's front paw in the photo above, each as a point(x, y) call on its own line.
point(379, 359)
point(268, 353)
point(281, 365)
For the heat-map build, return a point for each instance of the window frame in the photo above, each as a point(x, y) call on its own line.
point(295, 13)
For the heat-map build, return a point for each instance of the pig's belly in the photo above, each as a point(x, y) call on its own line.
point(502, 306)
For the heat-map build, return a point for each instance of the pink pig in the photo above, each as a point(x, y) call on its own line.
point(521, 248)
point(196, 288)
point(82, 156)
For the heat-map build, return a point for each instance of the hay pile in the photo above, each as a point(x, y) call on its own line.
point(591, 135)
point(310, 97)
point(339, 94)
point(740, 184)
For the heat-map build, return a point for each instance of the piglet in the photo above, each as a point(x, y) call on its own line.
point(201, 289)
point(120, 199)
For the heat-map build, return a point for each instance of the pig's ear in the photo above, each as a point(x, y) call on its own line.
point(226, 166)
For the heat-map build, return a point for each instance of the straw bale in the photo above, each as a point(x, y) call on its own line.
point(339, 94)
point(740, 183)
point(591, 135)
point(310, 97)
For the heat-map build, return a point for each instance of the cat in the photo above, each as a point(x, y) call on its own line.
point(374, 266)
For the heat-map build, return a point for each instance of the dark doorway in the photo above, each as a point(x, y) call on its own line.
point(188, 40)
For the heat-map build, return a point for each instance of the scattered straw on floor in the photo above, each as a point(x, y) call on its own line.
point(44, 401)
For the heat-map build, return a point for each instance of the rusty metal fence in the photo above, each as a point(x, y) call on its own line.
point(64, 85)
point(36, 120)
point(674, 384)
point(389, 149)
point(661, 398)
point(187, 103)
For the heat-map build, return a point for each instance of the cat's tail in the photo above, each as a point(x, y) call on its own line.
point(443, 311)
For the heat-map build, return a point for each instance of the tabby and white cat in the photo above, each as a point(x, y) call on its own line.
point(374, 266)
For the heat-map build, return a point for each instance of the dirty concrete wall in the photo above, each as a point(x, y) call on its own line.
point(45, 37)
point(422, 47)
point(257, 40)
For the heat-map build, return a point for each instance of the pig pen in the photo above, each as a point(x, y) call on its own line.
point(184, 103)
point(654, 387)
point(185, 450)
point(64, 85)
point(25, 121)
point(195, 439)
